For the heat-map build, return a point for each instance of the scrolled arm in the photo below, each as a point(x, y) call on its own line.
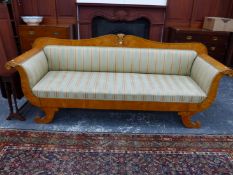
point(219, 66)
point(11, 64)
point(205, 69)
point(22, 58)
point(33, 65)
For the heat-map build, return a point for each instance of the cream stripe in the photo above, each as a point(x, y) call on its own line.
point(83, 58)
point(147, 63)
point(187, 68)
point(148, 78)
point(96, 83)
point(140, 60)
point(99, 59)
point(179, 64)
point(115, 60)
point(67, 57)
point(107, 59)
point(106, 84)
point(75, 59)
point(87, 84)
point(79, 81)
point(58, 84)
point(172, 59)
point(164, 60)
point(91, 59)
point(50, 60)
point(132, 61)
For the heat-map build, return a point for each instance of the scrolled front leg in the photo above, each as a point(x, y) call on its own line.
point(186, 119)
point(49, 116)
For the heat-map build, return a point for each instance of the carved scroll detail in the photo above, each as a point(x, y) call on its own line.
point(49, 116)
point(186, 119)
point(11, 64)
point(120, 39)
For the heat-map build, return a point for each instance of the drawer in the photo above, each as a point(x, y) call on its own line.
point(215, 39)
point(219, 57)
point(45, 31)
point(215, 48)
point(186, 37)
point(216, 51)
point(28, 34)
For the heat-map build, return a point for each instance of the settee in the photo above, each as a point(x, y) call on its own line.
point(119, 72)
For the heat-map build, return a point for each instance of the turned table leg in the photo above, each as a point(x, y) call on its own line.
point(186, 119)
point(49, 116)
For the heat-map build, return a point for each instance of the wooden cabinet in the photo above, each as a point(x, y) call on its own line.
point(191, 13)
point(28, 34)
point(66, 11)
point(53, 11)
point(45, 8)
point(203, 8)
point(229, 58)
point(8, 51)
point(6, 36)
point(216, 42)
point(179, 12)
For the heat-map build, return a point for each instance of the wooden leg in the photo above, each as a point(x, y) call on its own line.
point(49, 115)
point(186, 119)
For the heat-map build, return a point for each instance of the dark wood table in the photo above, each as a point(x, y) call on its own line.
point(11, 89)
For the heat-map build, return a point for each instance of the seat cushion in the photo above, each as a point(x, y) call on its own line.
point(118, 86)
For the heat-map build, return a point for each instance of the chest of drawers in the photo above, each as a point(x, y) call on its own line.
point(216, 42)
point(229, 58)
point(28, 34)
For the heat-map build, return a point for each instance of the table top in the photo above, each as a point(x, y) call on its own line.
point(126, 2)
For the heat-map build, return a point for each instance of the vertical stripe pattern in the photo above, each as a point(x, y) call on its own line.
point(36, 67)
point(129, 60)
point(119, 86)
point(203, 74)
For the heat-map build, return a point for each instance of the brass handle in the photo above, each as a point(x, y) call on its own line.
point(31, 32)
point(215, 38)
point(189, 37)
point(212, 48)
point(56, 33)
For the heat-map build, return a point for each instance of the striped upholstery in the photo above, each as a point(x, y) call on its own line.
point(203, 74)
point(110, 59)
point(36, 67)
point(118, 86)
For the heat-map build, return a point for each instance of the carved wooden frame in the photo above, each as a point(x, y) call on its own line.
point(185, 110)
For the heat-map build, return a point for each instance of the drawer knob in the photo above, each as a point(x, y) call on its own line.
point(215, 38)
point(189, 37)
point(56, 33)
point(31, 32)
point(212, 48)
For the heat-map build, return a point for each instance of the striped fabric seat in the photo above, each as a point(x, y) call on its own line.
point(119, 86)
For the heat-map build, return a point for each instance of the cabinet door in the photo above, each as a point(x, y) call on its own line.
point(8, 47)
point(204, 8)
point(66, 11)
point(179, 13)
point(27, 7)
point(47, 9)
point(7, 33)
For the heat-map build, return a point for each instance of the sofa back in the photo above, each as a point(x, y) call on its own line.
point(118, 59)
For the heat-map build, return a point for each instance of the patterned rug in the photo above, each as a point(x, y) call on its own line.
point(30, 152)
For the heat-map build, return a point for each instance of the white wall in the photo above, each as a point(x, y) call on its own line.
point(133, 2)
